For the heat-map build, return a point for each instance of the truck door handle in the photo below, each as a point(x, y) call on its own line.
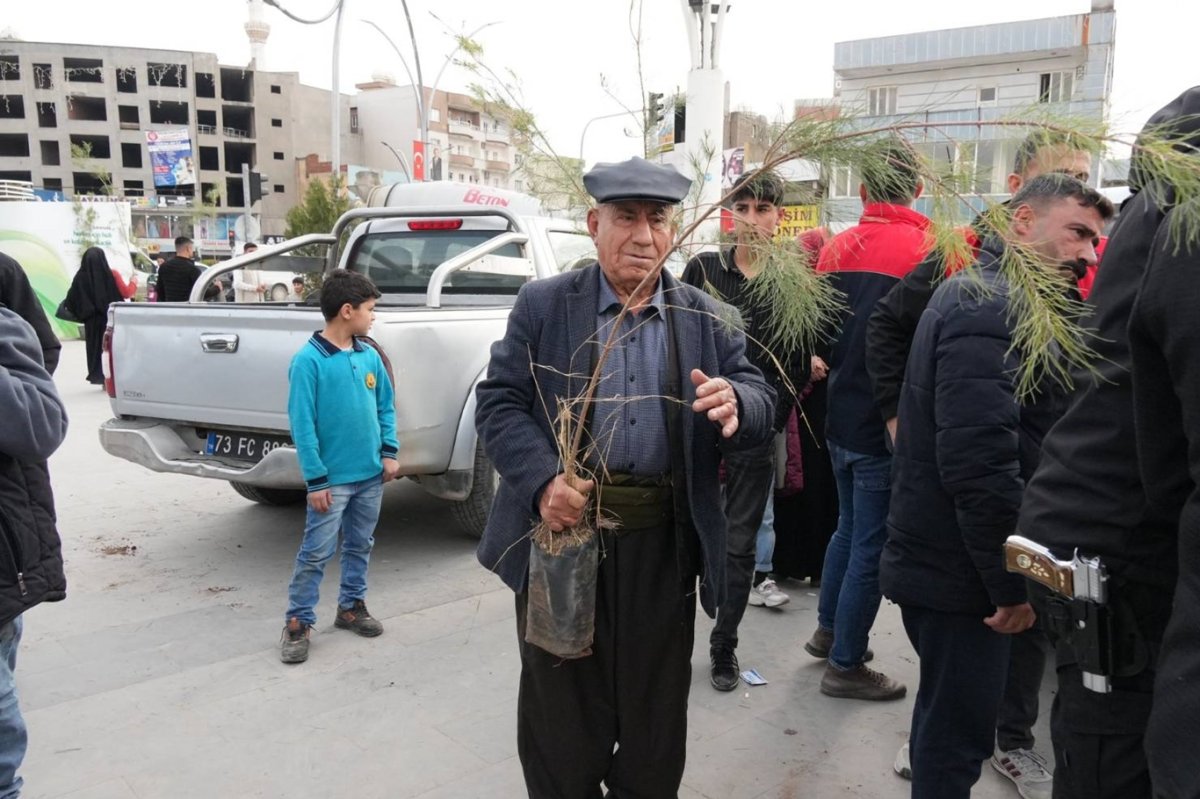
point(219, 342)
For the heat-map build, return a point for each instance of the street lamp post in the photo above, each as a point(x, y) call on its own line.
point(400, 158)
point(587, 124)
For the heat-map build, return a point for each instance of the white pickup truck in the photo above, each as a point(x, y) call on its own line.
point(201, 388)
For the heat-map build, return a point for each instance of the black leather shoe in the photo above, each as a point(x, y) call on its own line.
point(724, 675)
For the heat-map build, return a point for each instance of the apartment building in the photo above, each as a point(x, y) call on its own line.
point(59, 96)
point(954, 79)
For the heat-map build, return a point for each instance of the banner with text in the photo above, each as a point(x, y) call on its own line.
point(171, 158)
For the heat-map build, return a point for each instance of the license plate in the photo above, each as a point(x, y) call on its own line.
point(243, 446)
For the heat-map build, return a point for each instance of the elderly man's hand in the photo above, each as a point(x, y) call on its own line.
point(562, 503)
point(716, 400)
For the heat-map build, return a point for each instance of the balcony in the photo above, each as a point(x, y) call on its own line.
point(498, 135)
point(463, 128)
point(210, 130)
point(463, 161)
point(498, 166)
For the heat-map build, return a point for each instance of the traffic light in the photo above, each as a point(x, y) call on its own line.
point(258, 184)
point(654, 110)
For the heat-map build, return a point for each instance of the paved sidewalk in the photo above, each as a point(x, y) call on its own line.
point(159, 676)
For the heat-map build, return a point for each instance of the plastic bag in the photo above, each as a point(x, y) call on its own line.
point(561, 613)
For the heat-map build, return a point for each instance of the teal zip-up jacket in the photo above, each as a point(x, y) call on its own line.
point(341, 407)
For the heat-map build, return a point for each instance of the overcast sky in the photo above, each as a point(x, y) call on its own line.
point(774, 51)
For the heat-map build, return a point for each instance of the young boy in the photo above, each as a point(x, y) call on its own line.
point(757, 204)
point(340, 406)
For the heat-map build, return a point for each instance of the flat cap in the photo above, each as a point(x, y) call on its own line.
point(636, 179)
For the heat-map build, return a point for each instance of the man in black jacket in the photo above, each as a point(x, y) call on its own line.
point(177, 276)
point(889, 337)
point(1164, 338)
point(35, 424)
point(965, 446)
point(757, 204)
point(1087, 495)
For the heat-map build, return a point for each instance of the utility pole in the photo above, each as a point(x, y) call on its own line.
point(705, 101)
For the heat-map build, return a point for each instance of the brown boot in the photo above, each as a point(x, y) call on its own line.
point(821, 643)
point(860, 683)
point(359, 619)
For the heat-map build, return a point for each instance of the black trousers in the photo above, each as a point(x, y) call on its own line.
point(749, 478)
point(963, 666)
point(618, 716)
point(93, 337)
point(1099, 738)
point(1019, 707)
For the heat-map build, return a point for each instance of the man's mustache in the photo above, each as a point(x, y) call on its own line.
point(1077, 267)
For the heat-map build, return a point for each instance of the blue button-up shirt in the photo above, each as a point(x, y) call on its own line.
point(629, 428)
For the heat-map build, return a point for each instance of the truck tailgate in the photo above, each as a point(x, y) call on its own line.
point(207, 364)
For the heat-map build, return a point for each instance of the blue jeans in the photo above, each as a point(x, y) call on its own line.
point(13, 737)
point(354, 510)
point(764, 544)
point(850, 580)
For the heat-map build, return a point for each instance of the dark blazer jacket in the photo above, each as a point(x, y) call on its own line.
point(552, 326)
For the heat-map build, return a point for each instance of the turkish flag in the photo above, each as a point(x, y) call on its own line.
point(418, 161)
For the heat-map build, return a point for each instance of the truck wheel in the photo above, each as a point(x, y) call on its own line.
point(472, 512)
point(270, 496)
point(279, 292)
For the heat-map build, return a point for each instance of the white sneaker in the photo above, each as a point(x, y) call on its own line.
point(902, 766)
point(1027, 770)
point(767, 594)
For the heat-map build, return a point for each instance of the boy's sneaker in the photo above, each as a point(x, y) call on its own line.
point(1027, 770)
point(860, 683)
point(359, 619)
point(767, 595)
point(822, 641)
point(294, 646)
point(903, 766)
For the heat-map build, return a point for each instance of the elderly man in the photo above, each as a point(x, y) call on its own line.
point(677, 389)
point(966, 446)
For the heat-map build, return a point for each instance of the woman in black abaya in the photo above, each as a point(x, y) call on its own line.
point(92, 290)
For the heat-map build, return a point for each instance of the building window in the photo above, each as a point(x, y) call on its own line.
point(206, 85)
point(12, 106)
point(278, 156)
point(172, 75)
point(353, 119)
point(277, 123)
point(52, 184)
point(987, 95)
point(276, 89)
point(127, 80)
point(1055, 87)
point(843, 182)
point(10, 67)
point(881, 101)
point(83, 70)
point(47, 115)
point(50, 155)
point(14, 145)
point(43, 76)
point(131, 155)
point(133, 188)
point(279, 188)
point(128, 114)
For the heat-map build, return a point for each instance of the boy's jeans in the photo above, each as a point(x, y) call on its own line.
point(355, 510)
point(13, 737)
point(850, 593)
point(764, 545)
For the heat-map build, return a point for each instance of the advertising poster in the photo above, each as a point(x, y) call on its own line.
point(48, 240)
point(796, 220)
point(171, 158)
point(733, 164)
point(664, 137)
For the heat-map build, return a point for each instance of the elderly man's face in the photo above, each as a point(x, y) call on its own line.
point(1061, 231)
point(631, 236)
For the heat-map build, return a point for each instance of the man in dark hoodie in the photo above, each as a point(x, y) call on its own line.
point(965, 445)
point(1164, 338)
point(35, 423)
point(17, 294)
point(1088, 495)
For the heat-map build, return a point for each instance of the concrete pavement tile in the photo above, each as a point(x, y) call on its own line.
point(489, 732)
point(499, 781)
point(109, 789)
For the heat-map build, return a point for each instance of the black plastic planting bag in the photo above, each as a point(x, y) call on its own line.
point(561, 614)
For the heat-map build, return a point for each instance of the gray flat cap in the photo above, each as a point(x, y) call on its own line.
point(636, 179)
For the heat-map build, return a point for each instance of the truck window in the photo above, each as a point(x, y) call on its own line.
point(571, 249)
point(402, 262)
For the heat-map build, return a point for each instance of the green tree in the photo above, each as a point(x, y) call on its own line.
point(323, 203)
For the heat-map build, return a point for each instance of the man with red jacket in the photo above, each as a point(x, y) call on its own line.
point(865, 262)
